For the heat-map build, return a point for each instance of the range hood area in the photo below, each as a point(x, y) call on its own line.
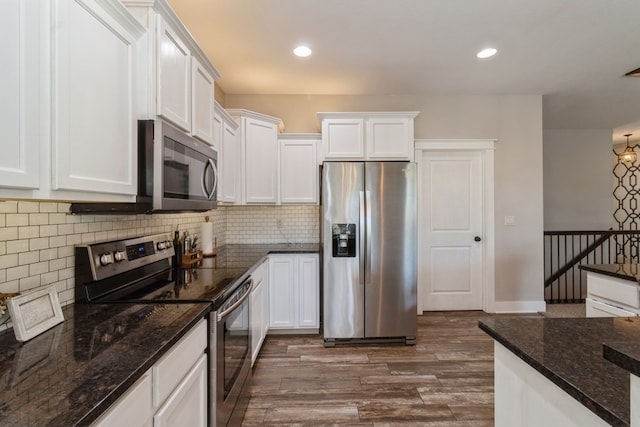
point(176, 173)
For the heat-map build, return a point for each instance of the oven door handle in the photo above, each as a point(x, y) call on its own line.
point(226, 312)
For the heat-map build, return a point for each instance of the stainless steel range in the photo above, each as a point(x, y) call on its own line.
point(140, 270)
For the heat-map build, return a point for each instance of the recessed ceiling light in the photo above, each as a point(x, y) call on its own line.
point(302, 51)
point(486, 53)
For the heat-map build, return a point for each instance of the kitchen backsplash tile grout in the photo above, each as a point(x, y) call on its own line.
point(37, 239)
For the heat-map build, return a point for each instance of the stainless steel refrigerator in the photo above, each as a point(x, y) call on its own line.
point(369, 251)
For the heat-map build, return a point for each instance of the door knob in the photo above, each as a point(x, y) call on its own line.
point(477, 238)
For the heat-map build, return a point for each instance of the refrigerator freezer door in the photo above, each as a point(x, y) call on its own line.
point(343, 282)
point(390, 270)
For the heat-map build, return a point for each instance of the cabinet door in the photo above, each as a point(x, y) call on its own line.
point(19, 86)
point(202, 102)
point(229, 176)
point(389, 138)
point(94, 138)
point(257, 295)
point(132, 409)
point(308, 291)
point(187, 405)
point(343, 139)
point(281, 292)
point(261, 161)
point(298, 171)
point(174, 77)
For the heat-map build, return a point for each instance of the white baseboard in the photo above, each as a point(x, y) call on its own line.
point(520, 306)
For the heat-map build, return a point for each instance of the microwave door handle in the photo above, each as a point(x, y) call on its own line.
point(209, 194)
point(215, 179)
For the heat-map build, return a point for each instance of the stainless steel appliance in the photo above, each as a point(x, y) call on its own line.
point(176, 173)
point(140, 270)
point(369, 251)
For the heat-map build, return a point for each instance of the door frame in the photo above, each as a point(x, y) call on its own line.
point(486, 147)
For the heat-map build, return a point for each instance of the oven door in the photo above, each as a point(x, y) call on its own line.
point(233, 356)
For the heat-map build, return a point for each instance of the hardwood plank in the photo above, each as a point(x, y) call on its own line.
point(446, 379)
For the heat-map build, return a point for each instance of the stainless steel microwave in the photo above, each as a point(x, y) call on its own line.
point(175, 171)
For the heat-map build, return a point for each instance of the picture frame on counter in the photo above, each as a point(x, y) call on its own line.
point(34, 312)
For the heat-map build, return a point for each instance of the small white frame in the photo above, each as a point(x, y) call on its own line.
point(34, 312)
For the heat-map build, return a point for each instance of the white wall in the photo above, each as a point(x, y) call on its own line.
point(515, 121)
point(578, 179)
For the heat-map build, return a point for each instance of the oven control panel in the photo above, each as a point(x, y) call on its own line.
point(108, 259)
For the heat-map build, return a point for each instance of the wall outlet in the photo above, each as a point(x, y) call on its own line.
point(279, 223)
point(509, 220)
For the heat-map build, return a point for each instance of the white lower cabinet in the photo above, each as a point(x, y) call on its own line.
point(134, 408)
point(172, 393)
point(525, 397)
point(294, 293)
point(187, 405)
point(259, 309)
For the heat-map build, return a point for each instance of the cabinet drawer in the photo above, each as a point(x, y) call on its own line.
point(599, 309)
point(174, 365)
point(616, 290)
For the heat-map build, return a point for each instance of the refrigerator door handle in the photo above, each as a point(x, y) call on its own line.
point(367, 238)
point(362, 242)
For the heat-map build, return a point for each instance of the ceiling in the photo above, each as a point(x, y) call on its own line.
point(573, 52)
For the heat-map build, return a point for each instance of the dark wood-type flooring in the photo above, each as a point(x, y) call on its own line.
point(446, 379)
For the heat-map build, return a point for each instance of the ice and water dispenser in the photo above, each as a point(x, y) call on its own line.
point(344, 240)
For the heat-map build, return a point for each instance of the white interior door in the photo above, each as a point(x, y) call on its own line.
point(451, 220)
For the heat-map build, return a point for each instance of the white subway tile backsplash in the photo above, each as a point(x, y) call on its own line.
point(17, 220)
point(7, 261)
point(38, 268)
point(16, 273)
point(28, 207)
point(37, 244)
point(30, 282)
point(9, 206)
point(38, 218)
point(28, 257)
point(8, 233)
point(57, 218)
point(28, 232)
point(48, 230)
point(16, 246)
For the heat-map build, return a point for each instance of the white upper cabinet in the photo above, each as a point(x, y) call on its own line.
point(259, 156)
point(174, 77)
point(201, 102)
point(20, 89)
point(368, 136)
point(343, 138)
point(179, 76)
point(227, 143)
point(299, 168)
point(93, 88)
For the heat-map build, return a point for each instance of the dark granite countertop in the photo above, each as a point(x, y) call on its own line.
point(624, 354)
point(621, 271)
point(569, 352)
point(248, 256)
point(73, 372)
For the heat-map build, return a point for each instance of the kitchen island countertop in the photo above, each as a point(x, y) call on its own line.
point(620, 271)
point(570, 353)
